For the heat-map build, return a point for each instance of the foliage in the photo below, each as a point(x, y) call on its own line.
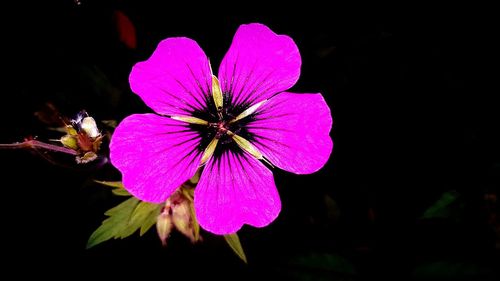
point(125, 219)
point(234, 242)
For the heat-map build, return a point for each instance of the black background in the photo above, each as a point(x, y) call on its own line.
point(413, 118)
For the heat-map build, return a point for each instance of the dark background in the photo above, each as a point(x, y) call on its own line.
point(413, 118)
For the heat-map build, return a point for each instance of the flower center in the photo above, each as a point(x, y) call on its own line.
point(221, 128)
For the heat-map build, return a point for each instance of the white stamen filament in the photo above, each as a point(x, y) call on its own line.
point(248, 111)
point(248, 147)
point(217, 94)
point(209, 151)
point(190, 120)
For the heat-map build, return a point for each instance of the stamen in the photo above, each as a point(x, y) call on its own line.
point(248, 147)
point(190, 119)
point(210, 66)
point(209, 151)
point(217, 95)
point(249, 111)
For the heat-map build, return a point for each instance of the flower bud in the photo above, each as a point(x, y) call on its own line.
point(181, 218)
point(89, 126)
point(164, 226)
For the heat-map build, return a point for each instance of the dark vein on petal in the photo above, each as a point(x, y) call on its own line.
point(176, 106)
point(207, 81)
point(180, 124)
point(244, 85)
point(189, 92)
point(252, 168)
point(249, 98)
point(274, 117)
point(252, 97)
point(183, 132)
point(179, 99)
point(275, 141)
point(186, 156)
point(175, 96)
point(267, 128)
point(202, 91)
point(232, 76)
point(185, 141)
point(272, 149)
point(180, 151)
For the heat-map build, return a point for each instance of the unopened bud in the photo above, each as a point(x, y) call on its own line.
point(181, 217)
point(164, 226)
point(89, 127)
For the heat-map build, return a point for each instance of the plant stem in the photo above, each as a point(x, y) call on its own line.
point(37, 144)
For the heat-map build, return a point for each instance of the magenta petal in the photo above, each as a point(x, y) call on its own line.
point(235, 189)
point(259, 64)
point(155, 155)
point(292, 131)
point(175, 79)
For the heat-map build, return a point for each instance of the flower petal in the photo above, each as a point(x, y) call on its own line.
point(175, 80)
point(258, 65)
point(155, 155)
point(235, 189)
point(292, 131)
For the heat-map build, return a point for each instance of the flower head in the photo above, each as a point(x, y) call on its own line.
point(83, 136)
point(232, 125)
point(176, 213)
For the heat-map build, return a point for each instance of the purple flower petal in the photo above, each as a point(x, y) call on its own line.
point(155, 155)
point(292, 131)
point(233, 190)
point(258, 65)
point(175, 80)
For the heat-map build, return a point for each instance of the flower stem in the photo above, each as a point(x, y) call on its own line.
point(37, 144)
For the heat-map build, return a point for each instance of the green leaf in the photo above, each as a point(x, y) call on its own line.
point(150, 220)
point(117, 223)
point(234, 242)
point(116, 184)
point(442, 208)
point(120, 192)
point(141, 213)
point(124, 220)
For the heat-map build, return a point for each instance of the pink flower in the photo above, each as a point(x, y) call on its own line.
point(229, 127)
